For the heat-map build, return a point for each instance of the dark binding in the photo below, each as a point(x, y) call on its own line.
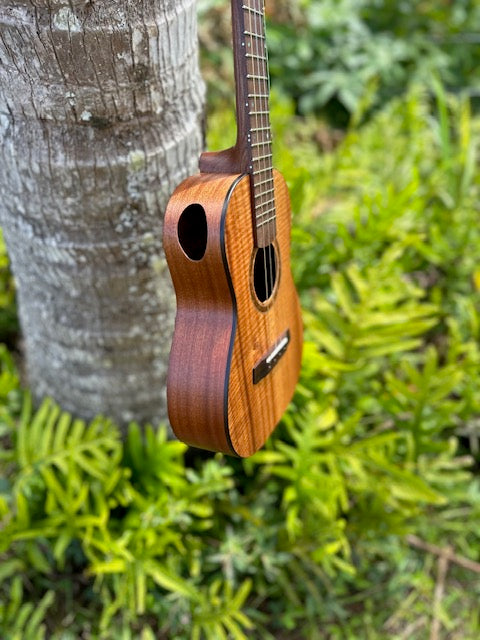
point(234, 305)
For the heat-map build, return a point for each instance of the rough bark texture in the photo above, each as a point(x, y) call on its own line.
point(100, 118)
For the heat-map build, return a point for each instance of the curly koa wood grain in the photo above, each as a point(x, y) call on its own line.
point(222, 331)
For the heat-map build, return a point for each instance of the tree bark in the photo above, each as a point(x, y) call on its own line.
point(101, 105)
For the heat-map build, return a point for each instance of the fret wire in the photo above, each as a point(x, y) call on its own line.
point(254, 35)
point(257, 113)
point(251, 10)
point(262, 204)
point(265, 213)
point(254, 14)
point(259, 144)
point(264, 157)
point(254, 60)
point(258, 95)
point(262, 214)
point(265, 193)
point(257, 76)
point(258, 184)
point(256, 57)
point(260, 224)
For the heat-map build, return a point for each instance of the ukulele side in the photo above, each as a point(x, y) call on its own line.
point(223, 338)
point(205, 320)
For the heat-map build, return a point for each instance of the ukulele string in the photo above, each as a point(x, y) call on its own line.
point(263, 74)
point(271, 248)
point(256, 68)
point(261, 146)
point(261, 53)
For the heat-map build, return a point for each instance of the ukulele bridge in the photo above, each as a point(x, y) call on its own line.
point(267, 363)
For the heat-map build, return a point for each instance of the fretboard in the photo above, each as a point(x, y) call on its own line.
point(253, 99)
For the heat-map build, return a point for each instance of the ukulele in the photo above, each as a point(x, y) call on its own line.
point(237, 343)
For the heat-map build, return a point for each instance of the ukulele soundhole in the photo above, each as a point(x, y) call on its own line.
point(192, 231)
point(265, 273)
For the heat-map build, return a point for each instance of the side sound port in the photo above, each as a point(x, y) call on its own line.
point(193, 231)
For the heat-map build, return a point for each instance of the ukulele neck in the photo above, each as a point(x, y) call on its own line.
point(252, 153)
point(253, 113)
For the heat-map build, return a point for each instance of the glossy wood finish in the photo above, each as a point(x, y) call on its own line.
point(255, 410)
point(204, 324)
point(220, 331)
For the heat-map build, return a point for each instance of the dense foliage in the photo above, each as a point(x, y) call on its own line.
point(330, 53)
point(101, 538)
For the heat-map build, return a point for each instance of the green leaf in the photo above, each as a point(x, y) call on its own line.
point(169, 581)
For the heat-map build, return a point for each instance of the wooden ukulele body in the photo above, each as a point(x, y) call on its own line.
point(235, 360)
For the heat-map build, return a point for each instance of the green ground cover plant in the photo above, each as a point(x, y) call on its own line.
point(317, 535)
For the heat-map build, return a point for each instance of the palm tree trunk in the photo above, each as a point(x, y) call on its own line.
point(101, 105)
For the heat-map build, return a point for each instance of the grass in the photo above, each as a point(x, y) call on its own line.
point(359, 519)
